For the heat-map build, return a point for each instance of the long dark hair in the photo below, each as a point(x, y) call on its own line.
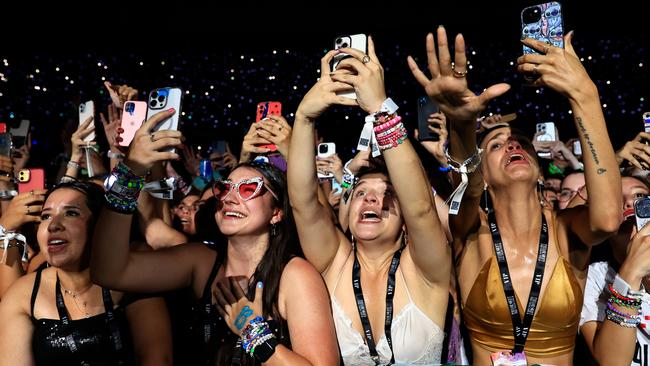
point(283, 246)
point(93, 195)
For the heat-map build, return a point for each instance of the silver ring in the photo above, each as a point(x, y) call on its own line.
point(365, 59)
point(458, 74)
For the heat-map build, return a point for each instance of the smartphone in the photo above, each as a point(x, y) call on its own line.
point(325, 150)
point(19, 134)
point(356, 41)
point(31, 179)
point(642, 212)
point(87, 110)
point(336, 187)
point(543, 22)
point(265, 109)
point(133, 115)
point(577, 148)
point(547, 130)
point(5, 141)
point(646, 122)
point(162, 99)
point(426, 107)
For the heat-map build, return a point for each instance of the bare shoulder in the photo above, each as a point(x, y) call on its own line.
point(299, 270)
point(301, 282)
point(18, 295)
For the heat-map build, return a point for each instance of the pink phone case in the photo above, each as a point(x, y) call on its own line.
point(133, 115)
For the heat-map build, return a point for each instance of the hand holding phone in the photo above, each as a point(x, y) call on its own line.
point(356, 41)
point(325, 150)
point(265, 109)
point(426, 107)
point(20, 133)
point(642, 212)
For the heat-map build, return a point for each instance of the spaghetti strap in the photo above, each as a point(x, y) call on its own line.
point(406, 286)
point(37, 285)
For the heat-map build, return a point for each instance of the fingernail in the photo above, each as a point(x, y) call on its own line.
point(171, 110)
point(441, 26)
point(260, 284)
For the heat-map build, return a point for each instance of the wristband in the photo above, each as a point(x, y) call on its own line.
point(73, 164)
point(115, 155)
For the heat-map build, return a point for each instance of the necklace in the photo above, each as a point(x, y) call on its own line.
point(77, 295)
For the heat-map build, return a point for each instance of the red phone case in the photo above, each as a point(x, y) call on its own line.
point(265, 109)
point(36, 180)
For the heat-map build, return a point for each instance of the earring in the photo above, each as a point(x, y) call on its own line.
point(540, 190)
point(274, 230)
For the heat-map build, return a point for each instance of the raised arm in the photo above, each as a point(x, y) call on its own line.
point(561, 70)
point(448, 87)
point(427, 241)
point(609, 342)
point(112, 264)
point(319, 238)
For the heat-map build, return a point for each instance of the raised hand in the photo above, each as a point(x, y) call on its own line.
point(558, 68)
point(252, 144)
point(191, 160)
point(636, 152)
point(112, 127)
point(120, 93)
point(365, 74)
point(448, 83)
point(146, 147)
point(25, 207)
point(437, 123)
point(323, 94)
point(276, 130)
point(77, 138)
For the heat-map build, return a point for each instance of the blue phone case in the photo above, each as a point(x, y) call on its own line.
point(549, 28)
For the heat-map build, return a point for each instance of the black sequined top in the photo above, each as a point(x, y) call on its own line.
point(103, 339)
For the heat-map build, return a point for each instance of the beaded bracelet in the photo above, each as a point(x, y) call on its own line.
point(386, 125)
point(73, 165)
point(123, 187)
point(611, 307)
point(621, 320)
point(628, 301)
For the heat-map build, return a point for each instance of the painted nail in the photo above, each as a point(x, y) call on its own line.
point(260, 284)
point(171, 110)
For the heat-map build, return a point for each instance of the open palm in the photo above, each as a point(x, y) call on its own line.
point(448, 84)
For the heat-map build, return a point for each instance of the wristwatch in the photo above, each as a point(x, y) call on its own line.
point(265, 350)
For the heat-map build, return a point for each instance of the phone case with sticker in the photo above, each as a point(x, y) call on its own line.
point(543, 22)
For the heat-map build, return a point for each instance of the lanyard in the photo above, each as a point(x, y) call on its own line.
point(361, 305)
point(520, 329)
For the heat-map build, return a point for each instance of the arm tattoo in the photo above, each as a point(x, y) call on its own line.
point(590, 144)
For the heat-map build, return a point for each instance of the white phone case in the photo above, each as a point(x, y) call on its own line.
point(87, 110)
point(173, 98)
point(356, 41)
point(331, 150)
point(548, 134)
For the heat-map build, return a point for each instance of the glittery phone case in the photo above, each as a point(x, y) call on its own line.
point(543, 22)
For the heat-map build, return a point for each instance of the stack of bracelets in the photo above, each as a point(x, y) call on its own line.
point(389, 130)
point(258, 340)
point(348, 177)
point(122, 189)
point(631, 301)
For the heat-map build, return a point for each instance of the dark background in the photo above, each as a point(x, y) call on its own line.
point(202, 43)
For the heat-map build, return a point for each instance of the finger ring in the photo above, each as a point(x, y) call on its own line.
point(29, 210)
point(365, 59)
point(458, 74)
point(151, 137)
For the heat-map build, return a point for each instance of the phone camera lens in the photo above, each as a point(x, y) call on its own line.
point(339, 40)
point(161, 98)
point(154, 94)
point(153, 103)
point(82, 108)
point(322, 149)
point(345, 44)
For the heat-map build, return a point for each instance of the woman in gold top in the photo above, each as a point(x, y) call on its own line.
point(496, 253)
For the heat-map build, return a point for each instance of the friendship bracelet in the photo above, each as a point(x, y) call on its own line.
point(635, 300)
point(123, 187)
point(73, 165)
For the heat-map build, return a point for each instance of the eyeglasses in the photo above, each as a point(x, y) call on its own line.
point(567, 194)
point(246, 189)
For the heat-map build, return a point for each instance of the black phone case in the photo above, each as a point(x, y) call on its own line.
point(425, 108)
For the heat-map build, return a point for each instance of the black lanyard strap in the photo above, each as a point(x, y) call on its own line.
point(363, 312)
point(520, 329)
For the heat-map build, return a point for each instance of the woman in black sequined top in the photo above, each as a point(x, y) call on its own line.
point(57, 316)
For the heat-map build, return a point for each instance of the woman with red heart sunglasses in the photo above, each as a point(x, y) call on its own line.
point(259, 301)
